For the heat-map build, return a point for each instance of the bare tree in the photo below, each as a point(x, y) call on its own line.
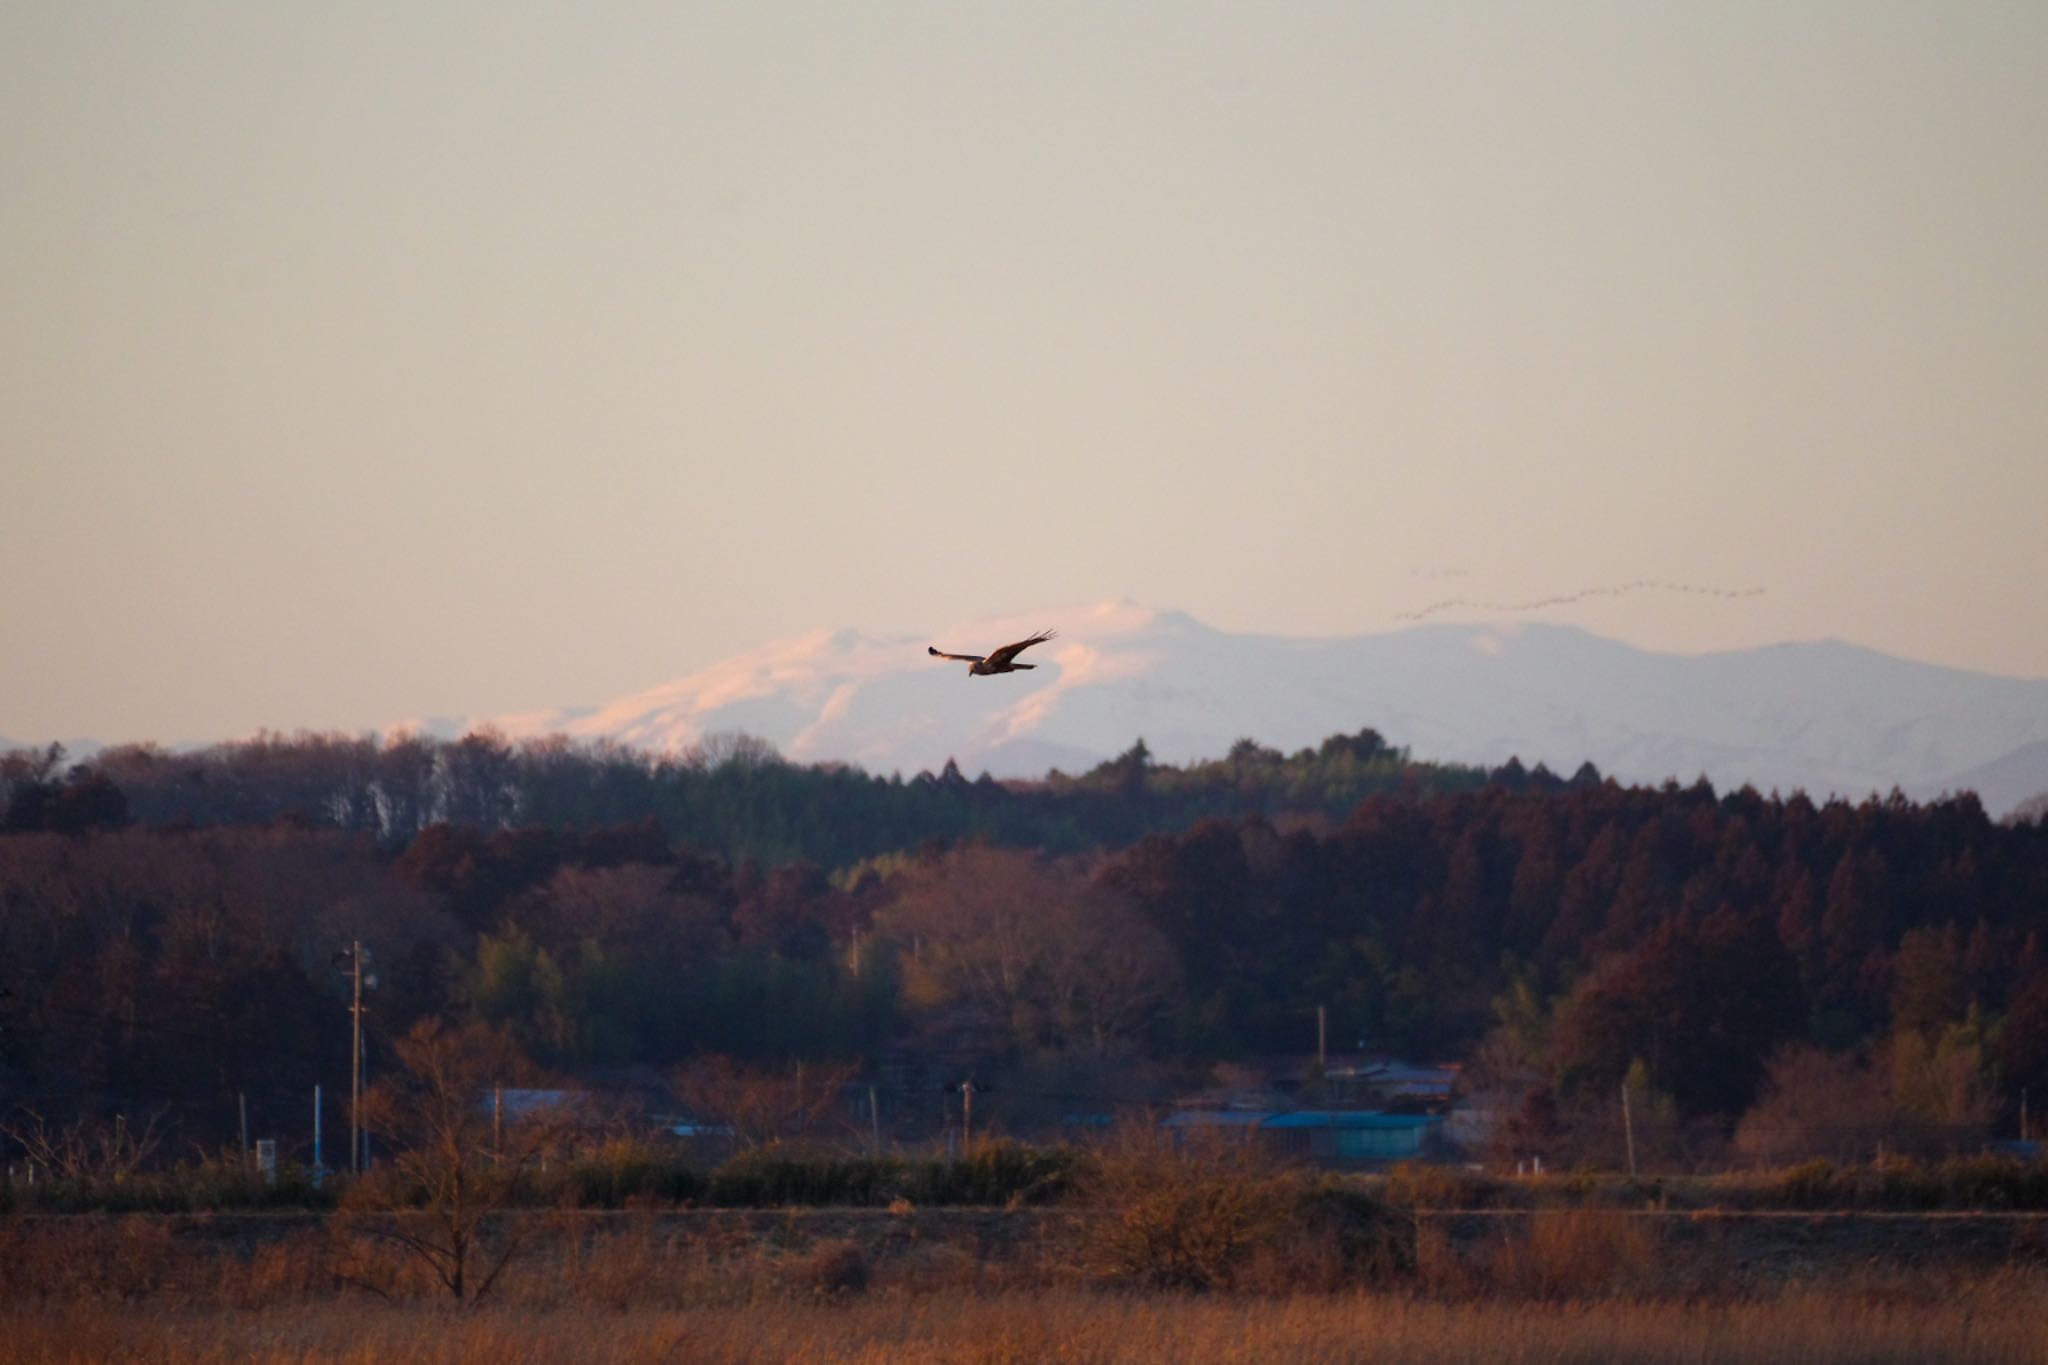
point(84, 1149)
point(456, 1168)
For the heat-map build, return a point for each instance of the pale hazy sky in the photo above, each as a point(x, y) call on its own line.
point(366, 360)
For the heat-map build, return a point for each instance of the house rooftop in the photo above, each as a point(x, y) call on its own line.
point(1350, 1118)
point(1217, 1118)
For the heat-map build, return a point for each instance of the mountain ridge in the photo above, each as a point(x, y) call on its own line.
point(1827, 717)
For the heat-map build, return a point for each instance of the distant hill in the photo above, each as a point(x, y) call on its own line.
point(1824, 717)
point(2002, 784)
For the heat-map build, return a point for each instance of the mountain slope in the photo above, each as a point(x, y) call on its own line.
point(2003, 784)
point(1824, 717)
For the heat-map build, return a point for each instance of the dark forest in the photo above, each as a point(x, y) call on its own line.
point(169, 925)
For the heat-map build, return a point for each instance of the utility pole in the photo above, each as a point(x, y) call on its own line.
point(875, 1120)
point(1628, 1130)
point(351, 961)
point(967, 1089)
point(355, 1062)
point(1322, 1037)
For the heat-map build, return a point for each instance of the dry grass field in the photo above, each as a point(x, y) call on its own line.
point(1996, 1323)
point(988, 1286)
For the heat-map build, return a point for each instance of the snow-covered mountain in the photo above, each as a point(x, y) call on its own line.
point(1823, 717)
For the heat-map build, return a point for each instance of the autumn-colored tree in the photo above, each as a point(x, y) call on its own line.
point(1944, 1081)
point(2023, 1042)
point(1701, 1006)
point(1042, 955)
point(1909, 1094)
point(1929, 989)
point(185, 957)
point(1818, 1104)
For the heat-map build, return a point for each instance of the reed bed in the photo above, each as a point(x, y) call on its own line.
point(1997, 1323)
point(1187, 1257)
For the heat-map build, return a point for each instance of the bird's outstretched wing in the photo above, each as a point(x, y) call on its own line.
point(963, 658)
point(1009, 652)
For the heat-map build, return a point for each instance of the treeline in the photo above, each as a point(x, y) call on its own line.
point(732, 795)
point(1096, 940)
point(1711, 949)
point(193, 968)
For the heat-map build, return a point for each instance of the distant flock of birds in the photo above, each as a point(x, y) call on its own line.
point(1537, 604)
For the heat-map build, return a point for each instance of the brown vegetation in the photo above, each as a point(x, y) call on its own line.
point(83, 1150)
point(1993, 1322)
point(1677, 935)
point(1291, 1267)
point(456, 1167)
point(1032, 950)
point(1161, 1213)
point(752, 1107)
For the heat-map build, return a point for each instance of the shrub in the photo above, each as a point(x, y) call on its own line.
point(1576, 1254)
point(1162, 1214)
point(1422, 1185)
point(828, 1269)
point(771, 1177)
point(627, 1173)
point(194, 1187)
point(1811, 1184)
point(287, 1271)
point(992, 1173)
point(1903, 1183)
point(1375, 1241)
point(92, 1256)
point(1996, 1182)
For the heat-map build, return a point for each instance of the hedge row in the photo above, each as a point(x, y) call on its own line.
point(1005, 1173)
point(995, 1173)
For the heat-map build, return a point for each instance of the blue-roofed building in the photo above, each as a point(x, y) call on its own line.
point(1350, 1135)
point(1331, 1136)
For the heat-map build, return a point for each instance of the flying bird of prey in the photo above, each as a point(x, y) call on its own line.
point(1003, 660)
